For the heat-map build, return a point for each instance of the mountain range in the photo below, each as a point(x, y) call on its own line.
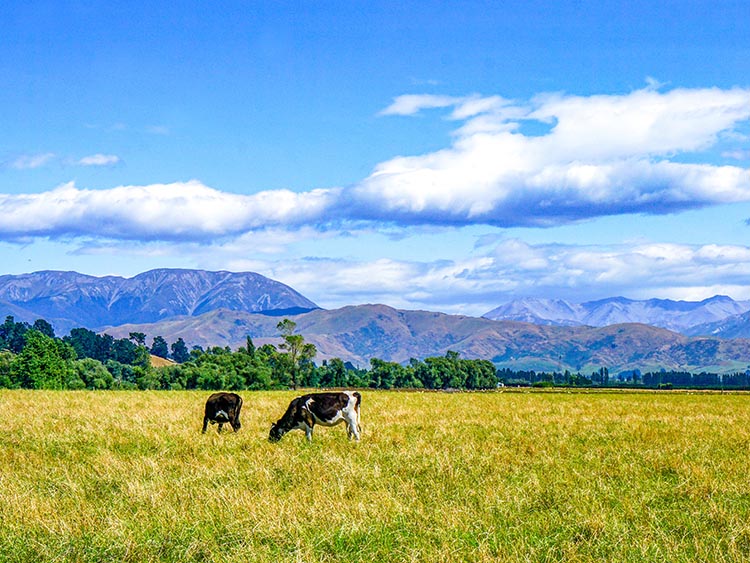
point(69, 299)
point(687, 317)
point(358, 333)
point(224, 308)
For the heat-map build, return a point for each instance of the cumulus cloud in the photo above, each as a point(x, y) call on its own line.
point(494, 273)
point(602, 155)
point(547, 161)
point(99, 160)
point(178, 211)
point(515, 268)
point(674, 270)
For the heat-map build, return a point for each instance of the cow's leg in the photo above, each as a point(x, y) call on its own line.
point(205, 424)
point(352, 428)
point(234, 420)
point(221, 426)
point(309, 421)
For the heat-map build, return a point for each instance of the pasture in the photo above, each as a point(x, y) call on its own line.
point(513, 477)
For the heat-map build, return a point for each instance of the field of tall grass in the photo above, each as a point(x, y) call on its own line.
point(128, 477)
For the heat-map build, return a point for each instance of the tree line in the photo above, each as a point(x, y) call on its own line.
point(662, 379)
point(32, 357)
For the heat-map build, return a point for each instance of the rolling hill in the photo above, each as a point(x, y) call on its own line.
point(358, 333)
point(224, 308)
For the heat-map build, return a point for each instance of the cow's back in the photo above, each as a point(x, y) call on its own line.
point(223, 401)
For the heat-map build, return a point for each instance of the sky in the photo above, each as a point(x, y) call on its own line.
point(445, 156)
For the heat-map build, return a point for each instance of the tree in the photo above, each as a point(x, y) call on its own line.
point(138, 337)
point(12, 334)
point(180, 353)
point(481, 374)
point(83, 342)
point(250, 346)
point(6, 362)
point(297, 355)
point(383, 374)
point(333, 373)
point(44, 327)
point(124, 351)
point(44, 363)
point(93, 374)
point(160, 347)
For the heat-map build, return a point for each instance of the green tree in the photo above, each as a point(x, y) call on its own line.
point(44, 363)
point(124, 374)
point(138, 337)
point(333, 373)
point(44, 327)
point(297, 355)
point(383, 374)
point(250, 347)
point(6, 361)
point(83, 342)
point(160, 347)
point(93, 374)
point(180, 353)
point(142, 358)
point(124, 351)
point(12, 334)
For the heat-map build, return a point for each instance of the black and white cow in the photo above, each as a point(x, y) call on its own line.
point(328, 409)
point(223, 408)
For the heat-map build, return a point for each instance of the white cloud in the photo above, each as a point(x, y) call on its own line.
point(595, 156)
point(473, 284)
point(99, 160)
point(31, 161)
point(410, 104)
point(603, 155)
point(515, 268)
point(178, 211)
point(478, 284)
point(737, 154)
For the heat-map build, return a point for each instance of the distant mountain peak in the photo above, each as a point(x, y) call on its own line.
point(71, 299)
point(680, 316)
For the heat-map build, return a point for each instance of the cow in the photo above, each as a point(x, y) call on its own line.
point(328, 409)
point(223, 408)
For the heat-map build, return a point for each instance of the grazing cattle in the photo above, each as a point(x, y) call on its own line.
point(223, 408)
point(328, 409)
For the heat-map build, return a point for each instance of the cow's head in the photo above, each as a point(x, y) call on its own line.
point(276, 432)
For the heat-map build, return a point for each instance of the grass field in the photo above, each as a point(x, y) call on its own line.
point(127, 476)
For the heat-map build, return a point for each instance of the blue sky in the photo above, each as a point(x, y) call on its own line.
point(442, 156)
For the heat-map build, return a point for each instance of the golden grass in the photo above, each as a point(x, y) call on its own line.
point(127, 476)
point(158, 362)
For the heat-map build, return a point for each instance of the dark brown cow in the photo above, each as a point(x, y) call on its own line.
point(223, 408)
point(328, 409)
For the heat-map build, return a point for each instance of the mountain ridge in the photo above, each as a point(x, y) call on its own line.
point(69, 299)
point(359, 333)
point(222, 309)
point(680, 316)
